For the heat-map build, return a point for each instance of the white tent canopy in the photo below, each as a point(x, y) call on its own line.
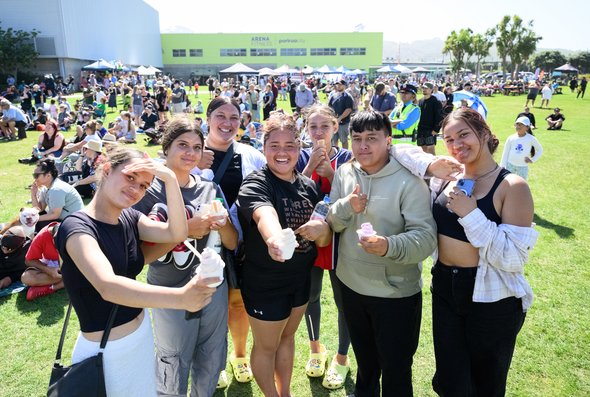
point(402, 69)
point(420, 69)
point(267, 72)
point(143, 71)
point(326, 70)
point(153, 70)
point(286, 69)
point(307, 70)
point(342, 69)
point(355, 72)
point(239, 68)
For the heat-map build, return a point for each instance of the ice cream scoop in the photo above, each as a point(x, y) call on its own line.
point(287, 243)
point(366, 230)
point(211, 266)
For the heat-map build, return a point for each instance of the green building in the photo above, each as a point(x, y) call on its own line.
point(198, 54)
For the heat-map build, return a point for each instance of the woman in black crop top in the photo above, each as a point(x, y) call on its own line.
point(101, 254)
point(479, 294)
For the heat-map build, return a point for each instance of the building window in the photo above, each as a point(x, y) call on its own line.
point(263, 52)
point(232, 52)
point(196, 52)
point(323, 51)
point(353, 51)
point(179, 53)
point(293, 52)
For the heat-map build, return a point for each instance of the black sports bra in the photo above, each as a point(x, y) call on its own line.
point(447, 221)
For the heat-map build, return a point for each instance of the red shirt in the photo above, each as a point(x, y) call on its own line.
point(42, 246)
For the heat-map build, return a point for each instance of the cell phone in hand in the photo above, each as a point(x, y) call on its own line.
point(466, 186)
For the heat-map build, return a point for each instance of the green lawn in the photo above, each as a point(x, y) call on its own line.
point(552, 355)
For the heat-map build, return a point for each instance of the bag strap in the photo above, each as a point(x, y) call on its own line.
point(223, 166)
point(105, 336)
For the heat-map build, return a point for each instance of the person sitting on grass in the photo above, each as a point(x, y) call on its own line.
point(84, 134)
point(14, 245)
point(54, 198)
point(51, 142)
point(13, 120)
point(149, 119)
point(100, 130)
point(555, 120)
point(63, 118)
point(124, 129)
point(42, 259)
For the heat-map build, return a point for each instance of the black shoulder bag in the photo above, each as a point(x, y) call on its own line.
point(233, 273)
point(85, 378)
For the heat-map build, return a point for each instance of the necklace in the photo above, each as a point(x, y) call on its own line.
point(486, 174)
point(187, 183)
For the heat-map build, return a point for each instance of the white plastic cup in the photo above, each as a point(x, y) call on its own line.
point(287, 250)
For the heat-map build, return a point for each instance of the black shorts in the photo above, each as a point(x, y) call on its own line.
point(425, 140)
point(276, 308)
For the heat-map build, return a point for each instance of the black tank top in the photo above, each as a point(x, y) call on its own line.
point(447, 221)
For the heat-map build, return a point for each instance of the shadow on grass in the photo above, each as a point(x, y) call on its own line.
point(317, 390)
point(561, 231)
point(51, 308)
point(237, 389)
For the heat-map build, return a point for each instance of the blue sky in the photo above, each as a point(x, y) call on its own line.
point(562, 25)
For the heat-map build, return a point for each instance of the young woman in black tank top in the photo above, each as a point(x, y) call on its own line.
point(479, 297)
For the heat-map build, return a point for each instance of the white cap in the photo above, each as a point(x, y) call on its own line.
point(523, 120)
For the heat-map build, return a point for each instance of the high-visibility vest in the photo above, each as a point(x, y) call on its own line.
point(403, 114)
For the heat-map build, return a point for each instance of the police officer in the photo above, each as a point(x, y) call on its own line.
point(406, 115)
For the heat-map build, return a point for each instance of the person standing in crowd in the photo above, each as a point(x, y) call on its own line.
point(527, 113)
point(406, 116)
point(519, 149)
point(267, 101)
point(275, 91)
point(533, 92)
point(442, 98)
point(96, 277)
point(320, 163)
point(26, 103)
point(38, 97)
point(162, 104)
point(582, 87)
point(380, 275)
point(252, 99)
point(547, 93)
point(555, 120)
point(303, 97)
point(275, 285)
point(196, 345)
point(479, 292)
point(573, 84)
point(178, 98)
point(383, 101)
point(430, 119)
point(342, 105)
point(355, 94)
point(137, 103)
point(223, 120)
point(54, 198)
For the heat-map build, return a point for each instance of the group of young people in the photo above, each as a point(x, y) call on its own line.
point(480, 241)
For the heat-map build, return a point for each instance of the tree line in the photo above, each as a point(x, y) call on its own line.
point(516, 45)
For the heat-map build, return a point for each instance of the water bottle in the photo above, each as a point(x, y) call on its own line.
point(214, 240)
point(320, 212)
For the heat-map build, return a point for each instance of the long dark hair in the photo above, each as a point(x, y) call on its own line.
point(180, 124)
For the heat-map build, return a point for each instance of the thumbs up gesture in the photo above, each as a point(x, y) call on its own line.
point(357, 200)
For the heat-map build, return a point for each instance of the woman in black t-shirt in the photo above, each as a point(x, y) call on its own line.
point(101, 253)
point(276, 290)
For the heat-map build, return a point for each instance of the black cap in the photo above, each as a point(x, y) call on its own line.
point(408, 88)
point(343, 82)
point(14, 238)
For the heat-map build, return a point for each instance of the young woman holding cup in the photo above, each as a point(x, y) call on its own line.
point(275, 289)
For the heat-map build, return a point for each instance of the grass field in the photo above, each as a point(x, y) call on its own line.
point(552, 356)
